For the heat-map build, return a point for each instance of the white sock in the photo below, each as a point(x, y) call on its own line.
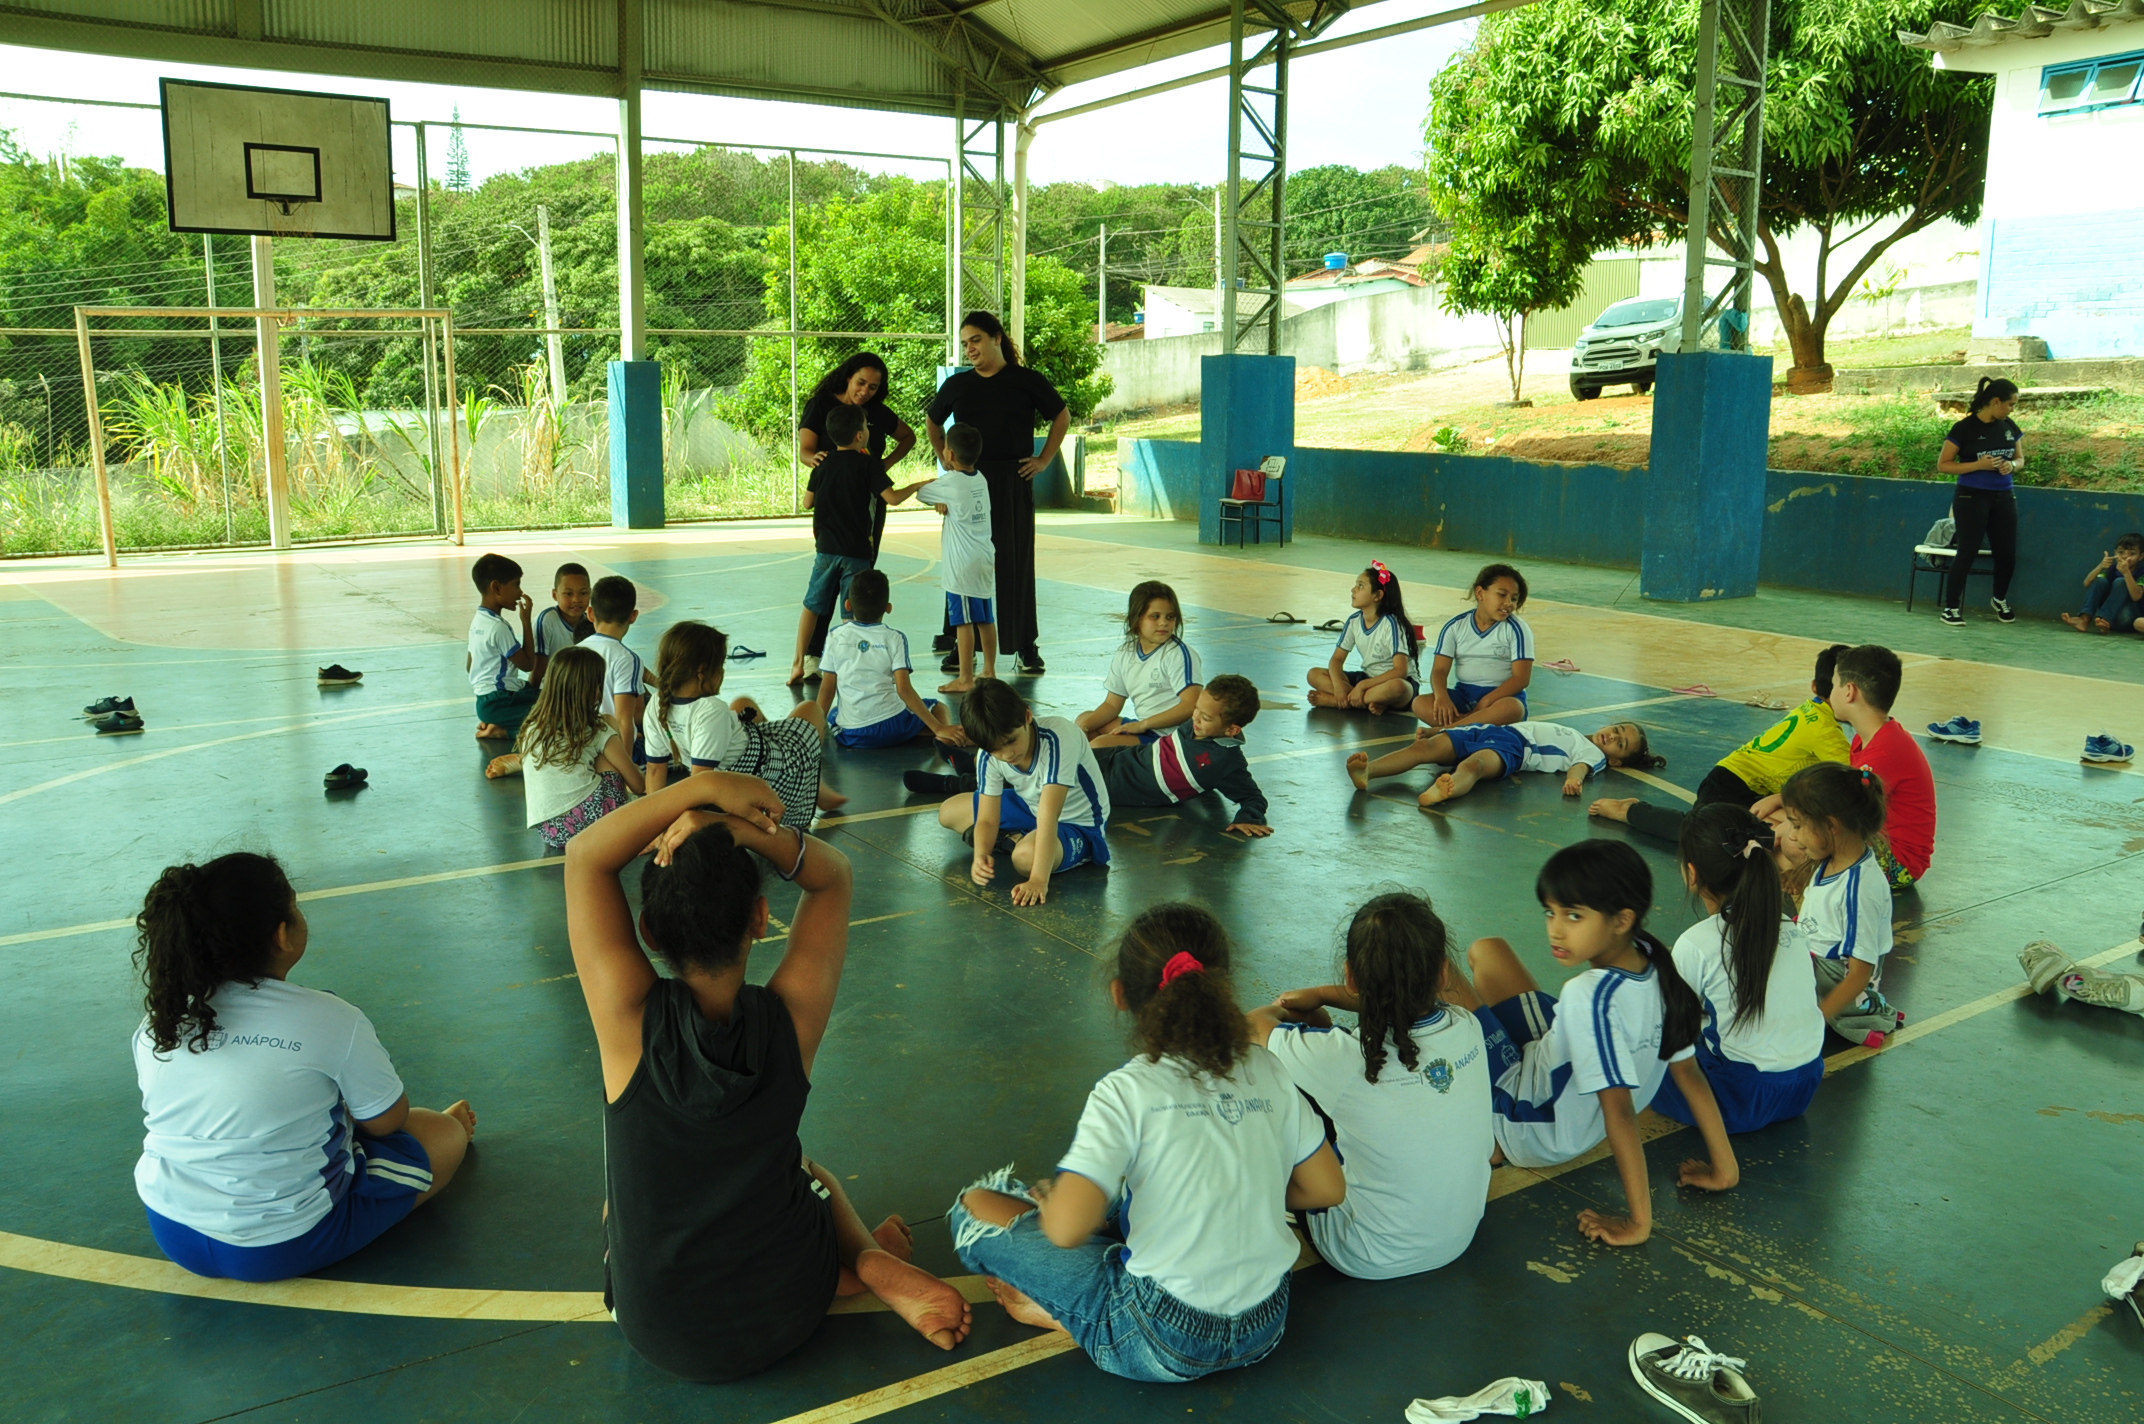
point(1521, 1398)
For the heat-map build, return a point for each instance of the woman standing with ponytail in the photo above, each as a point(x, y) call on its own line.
point(1984, 450)
point(1159, 1245)
point(279, 1138)
point(1762, 1039)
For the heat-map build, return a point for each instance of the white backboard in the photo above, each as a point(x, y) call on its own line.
point(277, 162)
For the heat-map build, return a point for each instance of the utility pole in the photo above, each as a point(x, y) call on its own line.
point(553, 340)
point(1217, 257)
point(1101, 292)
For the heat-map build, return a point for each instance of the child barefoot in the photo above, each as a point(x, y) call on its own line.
point(1479, 753)
point(967, 558)
point(1380, 632)
point(1834, 812)
point(1155, 672)
point(692, 723)
point(576, 766)
point(499, 661)
point(1490, 654)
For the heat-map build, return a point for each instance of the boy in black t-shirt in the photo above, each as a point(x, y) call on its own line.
point(842, 489)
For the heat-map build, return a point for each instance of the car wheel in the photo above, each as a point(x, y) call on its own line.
point(1584, 393)
point(1644, 387)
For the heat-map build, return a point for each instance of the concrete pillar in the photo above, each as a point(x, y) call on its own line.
point(1704, 500)
point(268, 333)
point(636, 383)
point(1246, 413)
point(636, 444)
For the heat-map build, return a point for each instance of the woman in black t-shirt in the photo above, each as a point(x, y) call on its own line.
point(1005, 400)
point(1984, 450)
point(859, 381)
point(725, 1243)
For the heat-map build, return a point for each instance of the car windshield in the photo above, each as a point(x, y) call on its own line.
point(1640, 311)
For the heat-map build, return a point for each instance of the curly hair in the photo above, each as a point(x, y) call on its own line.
point(1396, 947)
point(697, 911)
point(202, 927)
point(1194, 1016)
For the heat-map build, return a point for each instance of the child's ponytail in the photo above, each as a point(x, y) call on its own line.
point(1392, 603)
point(1610, 877)
point(1730, 852)
point(1172, 967)
point(201, 927)
point(1396, 948)
point(690, 652)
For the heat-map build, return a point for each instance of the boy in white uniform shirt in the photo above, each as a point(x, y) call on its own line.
point(967, 559)
point(865, 689)
point(614, 607)
point(499, 661)
point(1037, 785)
point(565, 623)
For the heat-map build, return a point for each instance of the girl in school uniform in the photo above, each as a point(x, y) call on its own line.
point(1575, 1067)
point(1154, 675)
point(1159, 1244)
point(576, 767)
point(1761, 1042)
point(1834, 815)
point(694, 726)
point(1406, 1091)
point(1487, 654)
point(1383, 636)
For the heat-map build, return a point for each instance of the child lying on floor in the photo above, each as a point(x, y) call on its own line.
point(1182, 763)
point(1481, 753)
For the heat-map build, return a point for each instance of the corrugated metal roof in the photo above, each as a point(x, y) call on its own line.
point(2035, 22)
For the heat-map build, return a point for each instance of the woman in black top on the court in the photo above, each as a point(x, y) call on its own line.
point(725, 1243)
point(1005, 400)
point(859, 381)
point(1984, 450)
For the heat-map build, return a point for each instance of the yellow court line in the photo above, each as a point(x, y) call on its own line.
point(902, 1393)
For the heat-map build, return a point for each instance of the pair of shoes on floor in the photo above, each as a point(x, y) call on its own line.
point(2103, 746)
point(1960, 729)
point(106, 706)
point(1697, 1382)
point(345, 778)
point(113, 717)
point(2048, 969)
point(336, 675)
point(2004, 613)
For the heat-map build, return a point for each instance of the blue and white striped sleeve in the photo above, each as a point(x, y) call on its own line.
point(1522, 640)
point(1192, 667)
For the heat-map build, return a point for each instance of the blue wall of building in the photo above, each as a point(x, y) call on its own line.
point(2075, 280)
point(1828, 533)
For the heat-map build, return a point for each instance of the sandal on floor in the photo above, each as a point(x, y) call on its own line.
point(1695, 689)
point(1330, 625)
point(740, 653)
point(1284, 618)
point(1560, 665)
point(344, 778)
point(1768, 704)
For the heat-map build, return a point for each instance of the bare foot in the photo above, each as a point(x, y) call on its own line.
point(508, 765)
point(958, 685)
point(462, 1113)
point(893, 1235)
point(830, 799)
point(1020, 1306)
point(2077, 621)
point(1358, 770)
point(1612, 808)
point(796, 673)
point(2101, 625)
point(1442, 789)
point(1323, 699)
point(934, 1308)
point(492, 732)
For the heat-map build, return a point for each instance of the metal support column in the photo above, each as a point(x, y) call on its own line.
point(1253, 247)
point(269, 342)
point(433, 401)
point(1016, 277)
point(979, 203)
point(1726, 164)
point(632, 231)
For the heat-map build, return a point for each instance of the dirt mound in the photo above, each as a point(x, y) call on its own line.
point(1625, 451)
point(1314, 381)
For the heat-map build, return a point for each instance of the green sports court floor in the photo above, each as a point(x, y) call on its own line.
point(1925, 1245)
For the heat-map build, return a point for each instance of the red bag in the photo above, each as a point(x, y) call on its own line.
point(1250, 487)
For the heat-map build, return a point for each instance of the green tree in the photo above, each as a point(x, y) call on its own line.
point(1510, 276)
point(457, 179)
point(1335, 208)
point(1574, 116)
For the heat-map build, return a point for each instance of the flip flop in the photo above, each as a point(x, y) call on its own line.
point(119, 724)
point(1695, 689)
point(1284, 618)
point(1560, 665)
point(740, 653)
point(345, 778)
point(1330, 625)
point(1768, 704)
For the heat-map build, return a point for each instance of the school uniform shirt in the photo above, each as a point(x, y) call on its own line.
point(1605, 1034)
point(1975, 437)
point(554, 634)
point(1807, 735)
point(1552, 747)
point(1199, 1167)
point(1789, 1034)
point(1484, 659)
point(1909, 818)
point(865, 656)
point(1416, 1142)
point(967, 559)
point(554, 788)
point(621, 672)
point(1848, 915)
point(492, 645)
point(844, 486)
point(703, 732)
point(1152, 683)
point(1177, 766)
point(1005, 407)
point(1378, 646)
point(1062, 758)
point(249, 1141)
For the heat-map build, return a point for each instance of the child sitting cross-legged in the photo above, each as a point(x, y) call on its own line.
point(1159, 1244)
point(694, 726)
point(1407, 1093)
point(1039, 793)
point(1482, 752)
point(1575, 1067)
point(2114, 591)
point(1154, 675)
point(1188, 760)
point(499, 660)
point(866, 691)
point(1834, 816)
point(1379, 632)
point(576, 766)
point(1488, 654)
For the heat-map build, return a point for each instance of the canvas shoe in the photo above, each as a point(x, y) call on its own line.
point(2044, 965)
point(1693, 1381)
point(336, 675)
point(2003, 611)
point(2100, 988)
point(2103, 747)
point(1952, 618)
point(119, 724)
point(811, 668)
point(345, 778)
point(105, 707)
point(1963, 730)
point(1030, 663)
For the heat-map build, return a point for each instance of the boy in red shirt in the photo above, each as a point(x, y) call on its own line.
point(1863, 687)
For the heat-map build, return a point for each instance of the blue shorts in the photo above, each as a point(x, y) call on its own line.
point(902, 726)
point(1508, 1027)
point(1082, 845)
point(1749, 1098)
point(1466, 696)
point(391, 1172)
point(1509, 746)
point(829, 586)
point(1414, 687)
point(961, 609)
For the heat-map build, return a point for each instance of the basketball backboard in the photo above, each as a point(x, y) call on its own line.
point(277, 162)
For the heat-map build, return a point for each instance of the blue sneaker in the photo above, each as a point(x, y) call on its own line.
point(1963, 730)
point(2105, 748)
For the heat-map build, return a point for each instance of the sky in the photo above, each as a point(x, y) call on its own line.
point(1362, 106)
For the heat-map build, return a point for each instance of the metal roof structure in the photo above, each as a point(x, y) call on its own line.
point(2035, 22)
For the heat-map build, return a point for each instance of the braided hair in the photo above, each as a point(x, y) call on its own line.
point(1396, 948)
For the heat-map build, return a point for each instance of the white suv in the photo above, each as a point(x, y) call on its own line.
point(1622, 345)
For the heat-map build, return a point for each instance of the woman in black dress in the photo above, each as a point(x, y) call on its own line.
point(1005, 400)
point(859, 381)
point(1984, 450)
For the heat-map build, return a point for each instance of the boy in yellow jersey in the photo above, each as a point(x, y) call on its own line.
point(1756, 769)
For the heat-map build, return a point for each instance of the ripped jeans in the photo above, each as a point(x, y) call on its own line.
point(1127, 1324)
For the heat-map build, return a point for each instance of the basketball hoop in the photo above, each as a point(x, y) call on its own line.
point(277, 162)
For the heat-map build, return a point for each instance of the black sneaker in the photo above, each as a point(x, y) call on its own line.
point(336, 675)
point(107, 706)
point(1693, 1381)
point(2003, 611)
point(949, 663)
point(1952, 618)
point(345, 778)
point(931, 783)
point(119, 724)
point(945, 643)
point(1030, 663)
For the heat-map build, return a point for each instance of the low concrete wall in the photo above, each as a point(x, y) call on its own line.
point(2122, 374)
point(1826, 533)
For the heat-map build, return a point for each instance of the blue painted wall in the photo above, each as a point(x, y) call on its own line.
point(1704, 508)
point(2075, 280)
point(1246, 414)
point(1828, 533)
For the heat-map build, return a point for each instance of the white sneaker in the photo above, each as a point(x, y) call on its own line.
point(1693, 1381)
point(811, 667)
point(2107, 991)
point(2043, 964)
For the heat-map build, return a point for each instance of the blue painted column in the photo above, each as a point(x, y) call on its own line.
point(1246, 412)
point(636, 444)
point(1704, 499)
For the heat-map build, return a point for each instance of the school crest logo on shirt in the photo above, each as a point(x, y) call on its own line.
point(1230, 1107)
point(1438, 1074)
